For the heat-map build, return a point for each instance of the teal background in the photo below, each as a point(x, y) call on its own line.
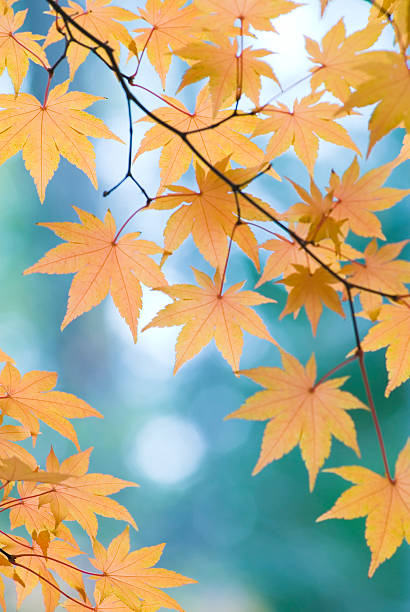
point(252, 543)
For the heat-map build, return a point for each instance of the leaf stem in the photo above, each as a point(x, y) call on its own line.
point(335, 369)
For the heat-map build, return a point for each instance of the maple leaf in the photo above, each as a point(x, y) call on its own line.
point(43, 132)
point(80, 496)
point(339, 59)
point(386, 505)
point(311, 289)
point(208, 313)
point(380, 271)
point(131, 577)
point(210, 215)
point(356, 199)
point(25, 510)
point(214, 144)
point(301, 411)
point(286, 253)
point(254, 13)
point(393, 331)
point(388, 84)
point(230, 73)
point(302, 127)
point(316, 210)
point(17, 48)
point(13, 469)
point(103, 263)
point(30, 398)
point(36, 568)
point(171, 26)
point(100, 20)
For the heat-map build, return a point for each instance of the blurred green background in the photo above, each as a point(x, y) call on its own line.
point(252, 543)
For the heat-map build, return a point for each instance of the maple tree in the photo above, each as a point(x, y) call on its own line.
point(313, 254)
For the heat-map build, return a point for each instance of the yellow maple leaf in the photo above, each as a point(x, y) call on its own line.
point(80, 495)
point(387, 84)
point(102, 263)
point(301, 411)
point(380, 271)
point(44, 132)
point(393, 331)
point(206, 313)
point(231, 73)
point(30, 398)
point(386, 505)
point(311, 289)
point(171, 26)
point(338, 61)
point(210, 214)
point(17, 48)
point(355, 199)
point(225, 140)
point(100, 19)
point(302, 127)
point(255, 13)
point(130, 575)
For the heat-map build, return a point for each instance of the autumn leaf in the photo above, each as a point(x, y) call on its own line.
point(226, 140)
point(170, 26)
point(211, 216)
point(387, 84)
point(386, 505)
point(101, 19)
point(43, 132)
point(381, 271)
point(393, 331)
point(9, 434)
point(355, 199)
point(131, 577)
point(102, 262)
point(302, 127)
point(231, 73)
point(34, 568)
point(311, 290)
point(255, 13)
point(17, 48)
point(339, 59)
point(30, 398)
point(208, 313)
point(301, 411)
point(82, 495)
point(14, 469)
point(25, 510)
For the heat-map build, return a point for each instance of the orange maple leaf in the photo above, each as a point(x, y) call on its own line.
point(386, 505)
point(131, 577)
point(355, 199)
point(30, 398)
point(339, 59)
point(210, 214)
point(171, 26)
point(17, 48)
point(393, 331)
point(311, 289)
point(43, 132)
point(208, 313)
point(31, 556)
point(387, 84)
point(302, 127)
point(100, 20)
point(380, 271)
point(255, 13)
point(103, 263)
point(15, 433)
point(80, 496)
point(301, 411)
point(230, 73)
point(214, 144)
